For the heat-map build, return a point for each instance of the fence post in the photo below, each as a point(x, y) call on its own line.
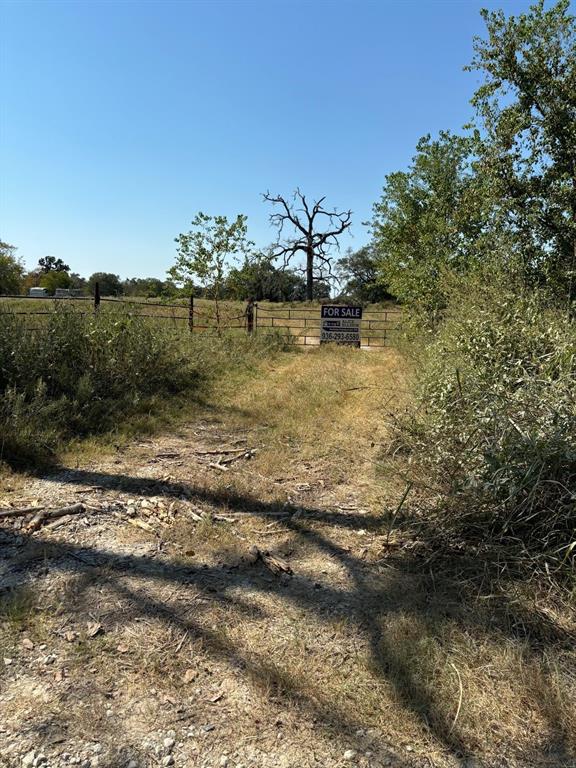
point(191, 313)
point(250, 316)
point(96, 297)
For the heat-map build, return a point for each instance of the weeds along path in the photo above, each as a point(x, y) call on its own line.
point(228, 595)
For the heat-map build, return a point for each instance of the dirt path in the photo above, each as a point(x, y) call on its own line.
point(148, 630)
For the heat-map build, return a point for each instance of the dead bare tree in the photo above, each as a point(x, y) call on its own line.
point(308, 237)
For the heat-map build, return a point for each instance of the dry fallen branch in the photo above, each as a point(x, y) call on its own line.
point(244, 455)
point(52, 514)
point(19, 512)
point(275, 564)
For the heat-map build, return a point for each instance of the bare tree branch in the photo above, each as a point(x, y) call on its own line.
point(310, 239)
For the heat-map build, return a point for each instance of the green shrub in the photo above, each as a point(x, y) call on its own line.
point(495, 427)
point(78, 375)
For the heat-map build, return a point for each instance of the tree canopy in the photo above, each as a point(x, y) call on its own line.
point(526, 132)
point(11, 269)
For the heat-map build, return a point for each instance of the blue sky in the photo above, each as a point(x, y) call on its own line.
point(120, 120)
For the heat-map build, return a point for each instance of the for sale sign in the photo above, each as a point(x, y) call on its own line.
point(340, 325)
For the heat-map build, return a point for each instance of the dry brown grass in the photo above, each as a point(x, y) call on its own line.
point(362, 646)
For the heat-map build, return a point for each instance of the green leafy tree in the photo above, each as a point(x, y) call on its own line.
point(55, 279)
point(150, 287)
point(206, 252)
point(430, 218)
point(110, 284)
point(526, 120)
point(78, 282)
point(359, 275)
point(11, 270)
point(260, 280)
point(52, 264)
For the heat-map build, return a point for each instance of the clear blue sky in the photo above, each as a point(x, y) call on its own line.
point(120, 120)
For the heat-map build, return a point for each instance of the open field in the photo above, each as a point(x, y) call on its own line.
point(238, 591)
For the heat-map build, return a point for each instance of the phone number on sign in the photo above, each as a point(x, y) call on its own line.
point(332, 336)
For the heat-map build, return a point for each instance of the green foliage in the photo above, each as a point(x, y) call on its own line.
point(429, 220)
point(110, 284)
point(79, 375)
point(496, 427)
point(149, 287)
point(52, 264)
point(206, 251)
point(526, 143)
point(11, 270)
point(55, 279)
point(359, 274)
point(258, 279)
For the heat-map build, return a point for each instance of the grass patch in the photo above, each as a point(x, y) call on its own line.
point(17, 606)
point(493, 434)
point(78, 376)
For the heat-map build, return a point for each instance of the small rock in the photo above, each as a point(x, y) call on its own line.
point(28, 759)
point(169, 744)
point(97, 748)
point(28, 644)
point(168, 760)
point(132, 764)
point(39, 760)
point(350, 754)
point(50, 659)
point(224, 761)
point(171, 735)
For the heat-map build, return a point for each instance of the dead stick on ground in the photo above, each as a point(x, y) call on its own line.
point(459, 699)
point(18, 512)
point(52, 514)
point(181, 643)
point(246, 455)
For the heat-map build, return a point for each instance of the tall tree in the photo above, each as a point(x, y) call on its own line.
point(526, 116)
point(257, 278)
point(307, 235)
point(109, 284)
point(55, 278)
point(52, 264)
point(206, 251)
point(430, 218)
point(359, 275)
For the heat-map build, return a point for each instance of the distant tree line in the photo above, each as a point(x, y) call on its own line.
point(257, 277)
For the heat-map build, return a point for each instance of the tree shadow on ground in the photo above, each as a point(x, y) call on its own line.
point(434, 599)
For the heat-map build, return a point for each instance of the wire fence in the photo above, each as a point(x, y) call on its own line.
point(298, 325)
point(302, 326)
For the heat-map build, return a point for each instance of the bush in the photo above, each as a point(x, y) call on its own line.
point(495, 430)
point(79, 375)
